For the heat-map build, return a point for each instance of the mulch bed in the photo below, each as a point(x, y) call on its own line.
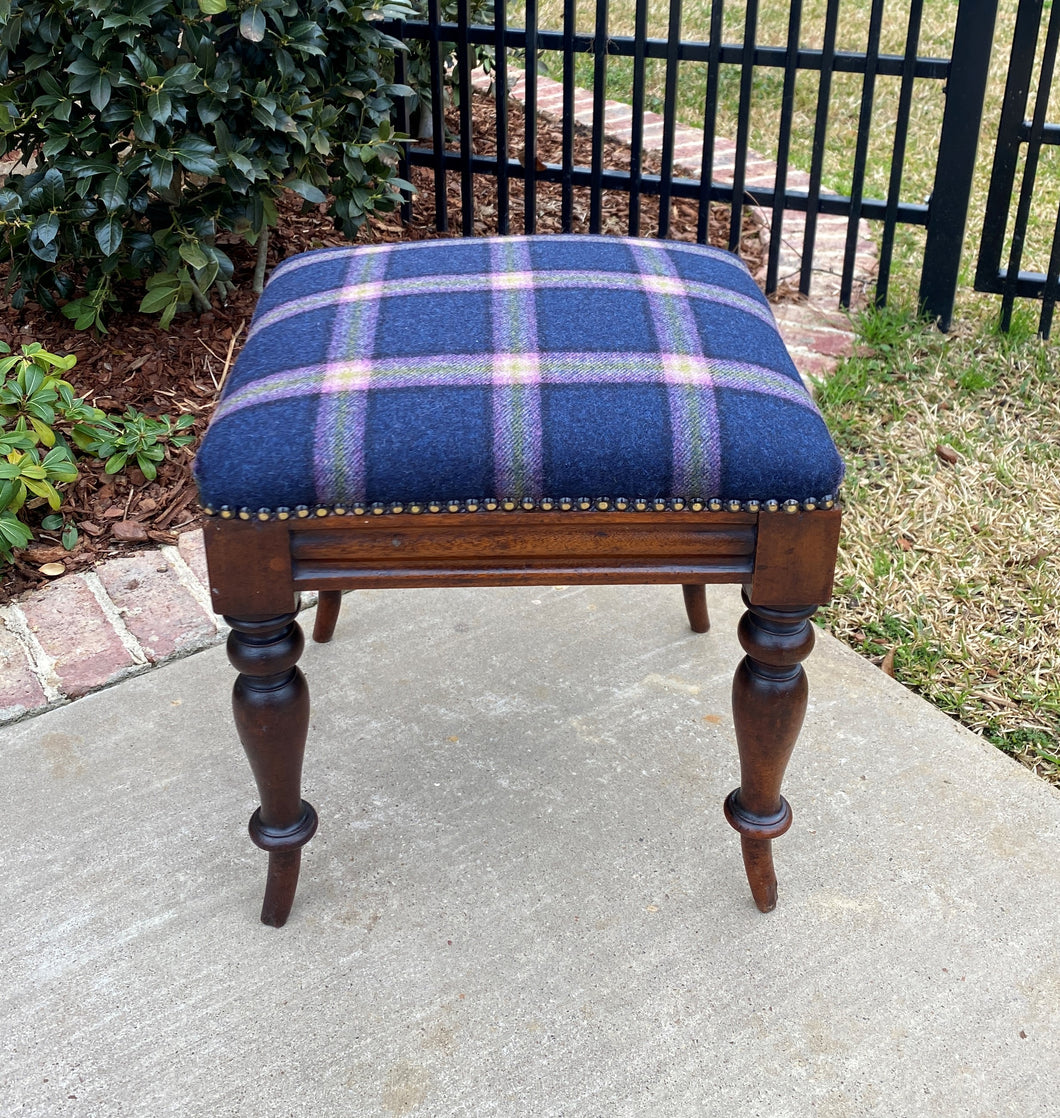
point(180, 370)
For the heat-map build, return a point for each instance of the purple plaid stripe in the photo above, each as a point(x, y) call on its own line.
point(517, 452)
point(524, 279)
point(338, 455)
point(693, 405)
point(552, 369)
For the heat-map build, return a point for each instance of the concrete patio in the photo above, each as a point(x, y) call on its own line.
point(523, 899)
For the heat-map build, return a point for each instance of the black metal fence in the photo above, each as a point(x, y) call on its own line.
point(944, 215)
point(1027, 141)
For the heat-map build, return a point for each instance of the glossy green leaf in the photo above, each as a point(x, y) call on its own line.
point(192, 252)
point(306, 190)
point(55, 145)
point(46, 228)
point(160, 106)
point(99, 91)
point(196, 155)
point(147, 467)
point(114, 192)
point(159, 298)
point(108, 234)
point(252, 24)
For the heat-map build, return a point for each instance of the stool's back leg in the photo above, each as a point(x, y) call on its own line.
point(270, 701)
point(329, 603)
point(769, 701)
point(696, 606)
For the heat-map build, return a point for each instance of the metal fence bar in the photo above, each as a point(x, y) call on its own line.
point(599, 106)
point(567, 122)
point(973, 40)
point(1030, 170)
point(636, 141)
point(873, 209)
point(463, 73)
point(669, 116)
point(710, 119)
point(500, 103)
point(901, 133)
point(849, 62)
point(441, 209)
point(1009, 138)
point(404, 127)
point(530, 120)
point(861, 153)
point(1052, 284)
point(787, 112)
point(743, 125)
point(820, 131)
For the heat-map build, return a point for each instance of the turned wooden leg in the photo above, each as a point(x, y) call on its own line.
point(696, 606)
point(270, 701)
point(329, 602)
point(768, 702)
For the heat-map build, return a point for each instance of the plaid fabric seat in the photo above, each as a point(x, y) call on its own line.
point(515, 367)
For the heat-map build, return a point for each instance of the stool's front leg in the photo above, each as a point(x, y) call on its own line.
point(270, 701)
point(769, 701)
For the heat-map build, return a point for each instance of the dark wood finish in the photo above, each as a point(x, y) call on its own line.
point(249, 564)
point(768, 704)
point(795, 558)
point(521, 549)
point(329, 604)
point(270, 701)
point(785, 561)
point(517, 548)
point(696, 606)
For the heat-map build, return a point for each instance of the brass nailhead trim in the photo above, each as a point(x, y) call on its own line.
point(528, 504)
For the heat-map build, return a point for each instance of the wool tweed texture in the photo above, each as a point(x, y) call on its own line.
point(513, 367)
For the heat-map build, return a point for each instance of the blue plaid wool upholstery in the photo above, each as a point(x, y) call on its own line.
point(521, 367)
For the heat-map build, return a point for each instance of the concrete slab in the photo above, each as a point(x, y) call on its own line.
point(523, 899)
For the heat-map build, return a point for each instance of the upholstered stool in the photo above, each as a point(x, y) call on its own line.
point(514, 411)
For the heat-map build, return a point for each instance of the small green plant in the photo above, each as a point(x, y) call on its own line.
point(36, 396)
point(133, 437)
point(42, 422)
point(26, 472)
point(34, 456)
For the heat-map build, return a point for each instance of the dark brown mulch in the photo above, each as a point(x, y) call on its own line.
point(180, 370)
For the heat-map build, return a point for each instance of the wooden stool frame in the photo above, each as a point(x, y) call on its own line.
point(783, 555)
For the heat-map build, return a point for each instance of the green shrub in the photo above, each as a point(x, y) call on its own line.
point(153, 125)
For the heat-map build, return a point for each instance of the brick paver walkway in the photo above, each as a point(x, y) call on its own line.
point(89, 630)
